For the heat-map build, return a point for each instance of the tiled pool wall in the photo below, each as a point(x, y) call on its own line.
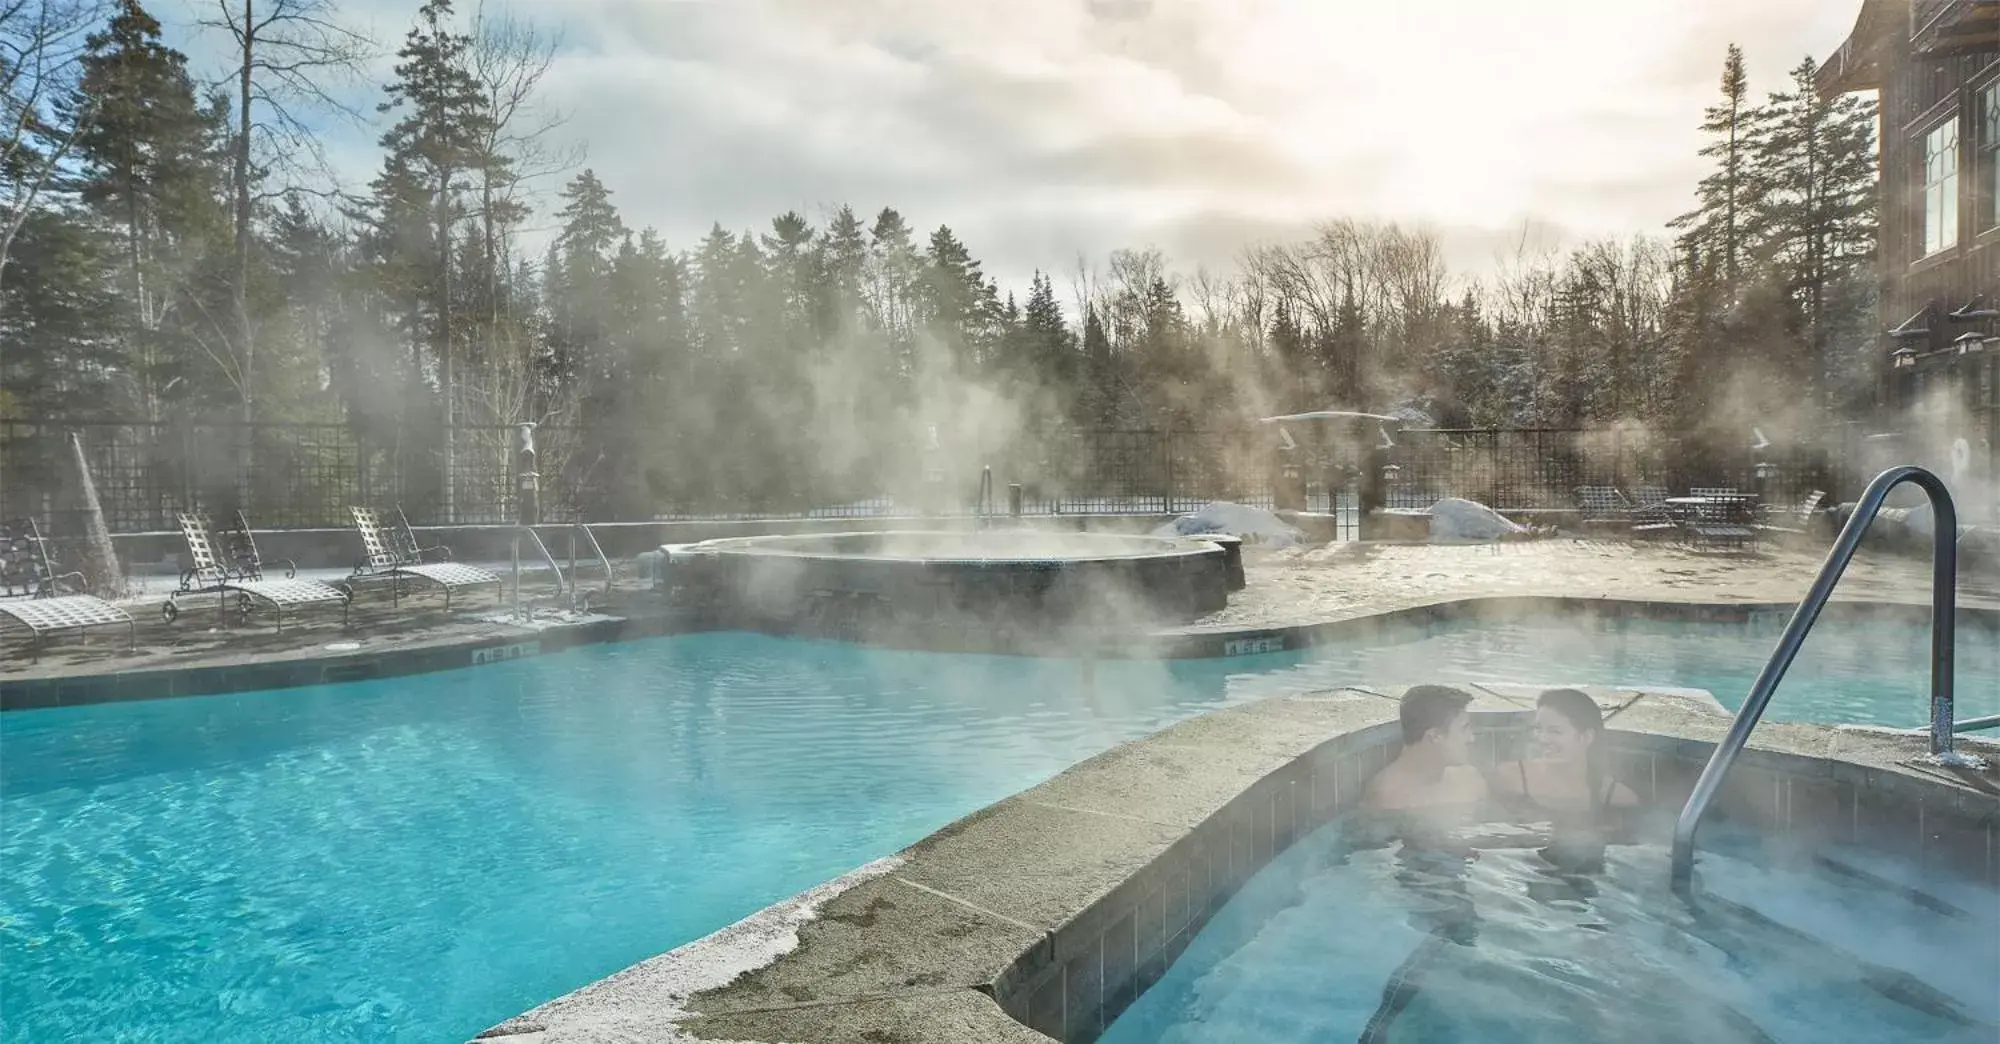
point(323, 667)
point(1608, 614)
point(1089, 970)
point(950, 601)
point(646, 618)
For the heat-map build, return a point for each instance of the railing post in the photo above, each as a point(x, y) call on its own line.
point(1944, 596)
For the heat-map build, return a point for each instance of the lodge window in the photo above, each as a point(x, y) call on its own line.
point(1941, 187)
point(1989, 155)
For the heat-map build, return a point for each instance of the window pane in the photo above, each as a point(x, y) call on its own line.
point(1948, 190)
point(1941, 187)
point(1993, 187)
point(1932, 240)
point(1988, 156)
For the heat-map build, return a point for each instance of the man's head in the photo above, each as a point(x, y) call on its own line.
point(1434, 718)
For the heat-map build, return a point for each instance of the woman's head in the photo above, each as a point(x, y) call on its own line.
point(1568, 725)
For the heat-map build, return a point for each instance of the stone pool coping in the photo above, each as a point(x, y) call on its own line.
point(648, 617)
point(1042, 916)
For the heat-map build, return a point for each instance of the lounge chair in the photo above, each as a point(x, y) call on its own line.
point(1650, 517)
point(391, 552)
point(242, 575)
point(1601, 507)
point(241, 546)
point(1798, 519)
point(43, 607)
point(1725, 521)
point(25, 562)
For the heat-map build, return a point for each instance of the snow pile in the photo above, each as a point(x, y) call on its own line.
point(1254, 525)
point(1919, 520)
point(1453, 519)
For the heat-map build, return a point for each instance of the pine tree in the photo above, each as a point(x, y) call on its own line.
point(1814, 167)
point(893, 299)
point(844, 247)
point(960, 307)
point(1715, 228)
point(590, 235)
point(1289, 350)
point(62, 322)
point(1050, 350)
point(150, 169)
point(432, 148)
point(1101, 392)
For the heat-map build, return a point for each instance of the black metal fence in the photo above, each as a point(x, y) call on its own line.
point(1541, 468)
point(283, 476)
point(306, 475)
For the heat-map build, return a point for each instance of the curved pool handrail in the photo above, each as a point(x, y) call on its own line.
point(1991, 721)
point(1944, 596)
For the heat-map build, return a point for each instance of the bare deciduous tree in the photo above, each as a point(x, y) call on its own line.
point(291, 56)
point(42, 43)
point(509, 57)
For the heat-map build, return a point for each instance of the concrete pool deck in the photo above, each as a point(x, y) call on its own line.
point(1295, 590)
point(1042, 916)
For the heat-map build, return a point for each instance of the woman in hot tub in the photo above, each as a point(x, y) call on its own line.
point(1564, 782)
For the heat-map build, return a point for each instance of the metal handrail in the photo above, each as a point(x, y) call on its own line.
point(1944, 596)
point(562, 584)
point(597, 549)
point(1991, 721)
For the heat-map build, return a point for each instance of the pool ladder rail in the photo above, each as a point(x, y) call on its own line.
point(1944, 596)
point(567, 585)
point(982, 508)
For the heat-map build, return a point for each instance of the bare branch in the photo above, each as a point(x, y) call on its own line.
point(42, 43)
point(297, 52)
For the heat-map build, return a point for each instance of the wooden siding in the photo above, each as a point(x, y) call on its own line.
point(1916, 92)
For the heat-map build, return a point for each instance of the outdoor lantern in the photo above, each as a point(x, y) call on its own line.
point(1904, 357)
point(1969, 342)
point(1765, 470)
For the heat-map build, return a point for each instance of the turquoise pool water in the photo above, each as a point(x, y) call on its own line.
point(1383, 946)
point(414, 859)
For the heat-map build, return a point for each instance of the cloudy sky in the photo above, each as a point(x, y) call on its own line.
point(1042, 129)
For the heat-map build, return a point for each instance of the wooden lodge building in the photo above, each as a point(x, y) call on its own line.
point(1936, 67)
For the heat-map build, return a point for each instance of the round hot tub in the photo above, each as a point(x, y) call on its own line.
point(911, 580)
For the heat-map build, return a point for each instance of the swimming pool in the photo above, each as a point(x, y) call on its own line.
point(418, 858)
point(1385, 945)
point(1845, 673)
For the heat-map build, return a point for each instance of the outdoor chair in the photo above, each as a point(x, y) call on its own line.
point(391, 553)
point(1651, 518)
point(1601, 507)
point(1725, 522)
point(25, 562)
point(240, 545)
point(1798, 519)
point(43, 607)
point(242, 575)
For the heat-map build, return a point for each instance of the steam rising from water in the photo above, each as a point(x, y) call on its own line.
point(100, 561)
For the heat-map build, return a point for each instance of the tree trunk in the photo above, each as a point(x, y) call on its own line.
point(241, 290)
point(444, 343)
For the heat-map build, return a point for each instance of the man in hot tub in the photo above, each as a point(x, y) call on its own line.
point(1433, 776)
